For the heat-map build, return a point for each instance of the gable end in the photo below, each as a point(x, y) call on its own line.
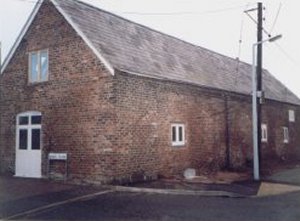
point(85, 39)
point(28, 23)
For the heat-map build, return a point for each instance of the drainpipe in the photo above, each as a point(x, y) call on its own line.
point(227, 133)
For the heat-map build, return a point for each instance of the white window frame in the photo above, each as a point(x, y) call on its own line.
point(291, 116)
point(29, 127)
point(39, 74)
point(264, 131)
point(286, 137)
point(178, 142)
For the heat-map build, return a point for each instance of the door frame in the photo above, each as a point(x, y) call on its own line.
point(29, 127)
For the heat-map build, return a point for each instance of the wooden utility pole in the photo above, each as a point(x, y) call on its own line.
point(259, 74)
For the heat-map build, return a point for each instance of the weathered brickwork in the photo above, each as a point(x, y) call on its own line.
point(76, 103)
point(118, 128)
point(146, 108)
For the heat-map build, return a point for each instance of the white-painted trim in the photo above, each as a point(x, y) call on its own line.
point(291, 116)
point(85, 39)
point(28, 151)
point(264, 131)
point(21, 35)
point(178, 142)
point(286, 137)
point(39, 74)
point(30, 113)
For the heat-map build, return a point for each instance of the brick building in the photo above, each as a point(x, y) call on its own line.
point(126, 102)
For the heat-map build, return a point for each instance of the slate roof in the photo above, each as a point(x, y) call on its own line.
point(134, 48)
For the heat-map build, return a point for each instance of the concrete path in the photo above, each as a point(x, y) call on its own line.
point(282, 182)
point(289, 176)
point(271, 189)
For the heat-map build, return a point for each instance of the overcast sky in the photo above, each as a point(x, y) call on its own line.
point(215, 24)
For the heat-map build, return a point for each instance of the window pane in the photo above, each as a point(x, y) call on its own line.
point(291, 115)
point(23, 120)
point(34, 67)
point(173, 134)
point(36, 119)
point(23, 140)
point(180, 134)
point(286, 134)
point(44, 66)
point(36, 139)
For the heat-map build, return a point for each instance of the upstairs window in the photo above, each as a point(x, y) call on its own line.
point(286, 137)
point(291, 116)
point(264, 133)
point(38, 66)
point(178, 134)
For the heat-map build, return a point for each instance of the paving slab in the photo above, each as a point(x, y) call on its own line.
point(270, 189)
point(241, 188)
point(288, 176)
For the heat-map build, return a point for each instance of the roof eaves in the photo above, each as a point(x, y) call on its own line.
point(21, 35)
point(109, 67)
point(159, 77)
point(163, 78)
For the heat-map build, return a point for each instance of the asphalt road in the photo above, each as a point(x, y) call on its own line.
point(140, 206)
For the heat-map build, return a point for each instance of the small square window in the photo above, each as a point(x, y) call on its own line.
point(286, 137)
point(178, 135)
point(38, 66)
point(264, 133)
point(291, 116)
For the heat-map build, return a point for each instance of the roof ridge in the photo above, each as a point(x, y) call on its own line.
point(160, 32)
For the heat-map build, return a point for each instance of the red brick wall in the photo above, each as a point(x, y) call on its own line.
point(275, 115)
point(76, 102)
point(147, 107)
point(118, 128)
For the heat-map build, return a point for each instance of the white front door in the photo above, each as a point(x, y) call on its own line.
point(28, 145)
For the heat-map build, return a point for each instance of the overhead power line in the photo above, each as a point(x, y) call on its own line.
point(240, 45)
point(213, 11)
point(187, 12)
point(276, 18)
point(268, 33)
point(287, 55)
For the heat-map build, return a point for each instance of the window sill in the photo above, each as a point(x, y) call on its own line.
point(37, 83)
point(178, 145)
